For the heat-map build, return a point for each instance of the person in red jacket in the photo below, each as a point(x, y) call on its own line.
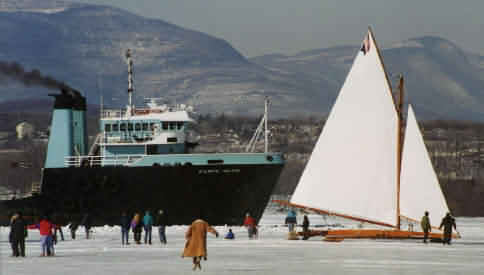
point(46, 241)
point(249, 222)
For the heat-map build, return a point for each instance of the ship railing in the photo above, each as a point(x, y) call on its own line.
point(128, 138)
point(113, 113)
point(91, 161)
point(120, 113)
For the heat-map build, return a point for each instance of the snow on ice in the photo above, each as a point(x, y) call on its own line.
point(270, 254)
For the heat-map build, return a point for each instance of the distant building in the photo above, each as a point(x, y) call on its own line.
point(4, 137)
point(24, 129)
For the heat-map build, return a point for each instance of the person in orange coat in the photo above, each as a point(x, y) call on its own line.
point(196, 245)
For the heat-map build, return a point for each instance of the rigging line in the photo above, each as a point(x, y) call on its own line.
point(320, 211)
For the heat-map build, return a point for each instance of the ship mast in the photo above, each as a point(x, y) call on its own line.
point(266, 131)
point(262, 128)
point(399, 143)
point(130, 81)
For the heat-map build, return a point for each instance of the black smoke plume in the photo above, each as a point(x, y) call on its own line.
point(16, 72)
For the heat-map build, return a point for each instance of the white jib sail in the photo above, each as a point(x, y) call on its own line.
point(419, 187)
point(353, 167)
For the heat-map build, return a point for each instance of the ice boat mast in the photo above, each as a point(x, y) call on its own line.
point(399, 108)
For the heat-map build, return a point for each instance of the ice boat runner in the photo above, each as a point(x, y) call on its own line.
point(356, 169)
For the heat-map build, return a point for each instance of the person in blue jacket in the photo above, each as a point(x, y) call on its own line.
point(291, 220)
point(148, 224)
point(230, 235)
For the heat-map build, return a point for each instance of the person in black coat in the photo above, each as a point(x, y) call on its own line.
point(18, 230)
point(161, 221)
point(86, 221)
point(125, 225)
point(305, 227)
point(73, 228)
point(10, 235)
point(448, 222)
point(56, 220)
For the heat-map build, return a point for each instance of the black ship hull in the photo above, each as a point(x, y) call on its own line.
point(221, 194)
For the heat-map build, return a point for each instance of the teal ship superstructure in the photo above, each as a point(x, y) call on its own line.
point(151, 136)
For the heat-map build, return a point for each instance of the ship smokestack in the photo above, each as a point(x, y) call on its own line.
point(68, 135)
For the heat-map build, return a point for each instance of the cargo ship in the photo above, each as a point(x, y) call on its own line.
point(142, 160)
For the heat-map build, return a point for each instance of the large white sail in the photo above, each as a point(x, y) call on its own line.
point(353, 167)
point(419, 187)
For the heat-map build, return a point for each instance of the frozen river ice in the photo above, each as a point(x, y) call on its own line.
point(270, 254)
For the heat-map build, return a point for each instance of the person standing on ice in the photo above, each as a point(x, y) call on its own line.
point(56, 220)
point(305, 227)
point(161, 222)
point(291, 220)
point(86, 221)
point(46, 240)
point(426, 228)
point(10, 235)
point(18, 231)
point(58, 227)
point(125, 224)
point(196, 244)
point(249, 222)
point(447, 222)
point(73, 228)
point(136, 226)
point(148, 225)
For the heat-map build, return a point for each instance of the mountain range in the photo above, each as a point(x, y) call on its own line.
point(84, 46)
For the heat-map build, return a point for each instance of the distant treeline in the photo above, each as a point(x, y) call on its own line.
point(454, 146)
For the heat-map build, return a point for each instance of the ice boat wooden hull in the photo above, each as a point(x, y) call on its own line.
point(378, 234)
point(342, 234)
point(337, 235)
point(312, 233)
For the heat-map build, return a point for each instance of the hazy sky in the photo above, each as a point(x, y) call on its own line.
point(256, 27)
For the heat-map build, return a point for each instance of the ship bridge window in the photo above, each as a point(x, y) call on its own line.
point(215, 161)
point(115, 127)
point(130, 126)
point(107, 127)
point(145, 126)
point(152, 126)
point(179, 125)
point(137, 127)
point(152, 149)
point(122, 127)
point(164, 125)
point(172, 125)
point(171, 139)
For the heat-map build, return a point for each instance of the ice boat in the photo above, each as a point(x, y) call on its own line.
point(362, 168)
